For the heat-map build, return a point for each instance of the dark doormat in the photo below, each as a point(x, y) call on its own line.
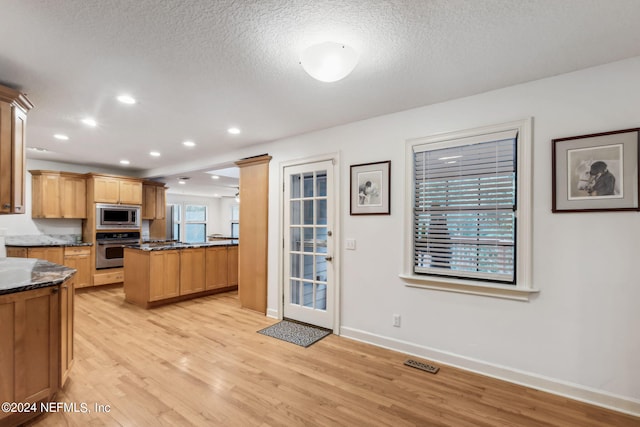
point(297, 333)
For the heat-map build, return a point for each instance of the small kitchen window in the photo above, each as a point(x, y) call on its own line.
point(235, 221)
point(195, 223)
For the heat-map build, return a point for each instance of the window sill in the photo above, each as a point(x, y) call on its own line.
point(468, 287)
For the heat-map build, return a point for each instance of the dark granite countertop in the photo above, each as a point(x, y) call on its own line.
point(24, 274)
point(42, 240)
point(179, 245)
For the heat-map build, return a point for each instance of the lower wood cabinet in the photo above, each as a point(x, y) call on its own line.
point(79, 257)
point(153, 277)
point(192, 271)
point(36, 346)
point(164, 275)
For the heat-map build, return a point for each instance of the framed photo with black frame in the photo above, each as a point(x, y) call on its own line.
point(371, 188)
point(596, 172)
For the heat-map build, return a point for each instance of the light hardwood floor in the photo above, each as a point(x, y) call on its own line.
point(201, 363)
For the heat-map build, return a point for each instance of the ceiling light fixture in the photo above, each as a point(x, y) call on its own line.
point(126, 99)
point(329, 61)
point(124, 162)
point(233, 131)
point(182, 182)
point(189, 144)
point(61, 137)
point(215, 177)
point(90, 122)
point(154, 153)
point(37, 149)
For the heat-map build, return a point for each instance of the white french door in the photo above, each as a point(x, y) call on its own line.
point(309, 285)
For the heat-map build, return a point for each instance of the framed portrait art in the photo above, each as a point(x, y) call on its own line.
point(371, 189)
point(597, 172)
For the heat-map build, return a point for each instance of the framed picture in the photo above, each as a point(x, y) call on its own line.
point(370, 188)
point(597, 172)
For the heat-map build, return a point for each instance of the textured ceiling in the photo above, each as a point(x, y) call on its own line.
point(199, 67)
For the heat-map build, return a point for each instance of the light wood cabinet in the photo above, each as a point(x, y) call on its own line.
point(154, 203)
point(13, 122)
point(58, 195)
point(29, 348)
point(164, 271)
point(156, 277)
point(79, 257)
point(67, 310)
point(221, 267)
point(192, 271)
point(254, 209)
point(51, 254)
point(232, 266)
point(109, 189)
point(217, 271)
point(74, 196)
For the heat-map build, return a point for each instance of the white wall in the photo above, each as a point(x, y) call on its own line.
point(580, 335)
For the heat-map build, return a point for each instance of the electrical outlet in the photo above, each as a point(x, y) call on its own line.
point(350, 244)
point(396, 320)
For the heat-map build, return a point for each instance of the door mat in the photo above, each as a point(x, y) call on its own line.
point(297, 333)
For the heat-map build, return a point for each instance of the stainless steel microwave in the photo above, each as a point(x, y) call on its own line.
point(115, 217)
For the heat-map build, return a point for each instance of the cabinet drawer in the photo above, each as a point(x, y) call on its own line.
point(77, 250)
point(110, 277)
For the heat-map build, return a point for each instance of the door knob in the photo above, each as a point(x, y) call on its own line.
point(328, 258)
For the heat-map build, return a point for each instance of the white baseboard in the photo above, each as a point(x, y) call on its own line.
point(562, 388)
point(273, 313)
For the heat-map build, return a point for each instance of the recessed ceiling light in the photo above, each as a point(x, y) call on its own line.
point(61, 137)
point(124, 162)
point(215, 177)
point(182, 182)
point(233, 131)
point(189, 144)
point(154, 153)
point(90, 122)
point(38, 149)
point(126, 99)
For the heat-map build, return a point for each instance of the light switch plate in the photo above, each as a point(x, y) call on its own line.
point(350, 244)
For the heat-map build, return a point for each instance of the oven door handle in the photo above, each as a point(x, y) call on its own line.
point(121, 244)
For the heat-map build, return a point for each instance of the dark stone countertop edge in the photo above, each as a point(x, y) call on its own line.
point(46, 245)
point(178, 246)
point(42, 273)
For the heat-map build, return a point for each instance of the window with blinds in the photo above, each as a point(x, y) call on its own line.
point(464, 207)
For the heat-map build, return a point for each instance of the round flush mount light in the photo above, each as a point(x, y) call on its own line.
point(154, 153)
point(126, 99)
point(90, 122)
point(233, 131)
point(189, 144)
point(61, 137)
point(329, 61)
point(124, 162)
point(215, 177)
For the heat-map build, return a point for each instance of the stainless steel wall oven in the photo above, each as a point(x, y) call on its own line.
point(110, 248)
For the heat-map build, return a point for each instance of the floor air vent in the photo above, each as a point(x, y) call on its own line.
point(422, 366)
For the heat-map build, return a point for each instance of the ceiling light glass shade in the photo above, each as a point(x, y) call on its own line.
point(329, 61)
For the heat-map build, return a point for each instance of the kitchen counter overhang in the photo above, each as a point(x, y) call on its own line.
point(23, 274)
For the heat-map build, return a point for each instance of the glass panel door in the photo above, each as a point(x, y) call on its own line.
point(308, 269)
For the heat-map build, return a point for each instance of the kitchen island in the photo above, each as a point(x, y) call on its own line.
point(161, 273)
point(36, 334)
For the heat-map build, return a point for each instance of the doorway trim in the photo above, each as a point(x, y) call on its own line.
point(337, 228)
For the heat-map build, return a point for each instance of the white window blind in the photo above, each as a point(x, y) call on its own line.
point(465, 207)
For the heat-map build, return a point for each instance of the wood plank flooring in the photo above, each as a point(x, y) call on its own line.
point(201, 363)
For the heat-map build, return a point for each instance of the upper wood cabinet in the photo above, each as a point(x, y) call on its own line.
point(112, 189)
point(13, 121)
point(58, 194)
point(153, 200)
